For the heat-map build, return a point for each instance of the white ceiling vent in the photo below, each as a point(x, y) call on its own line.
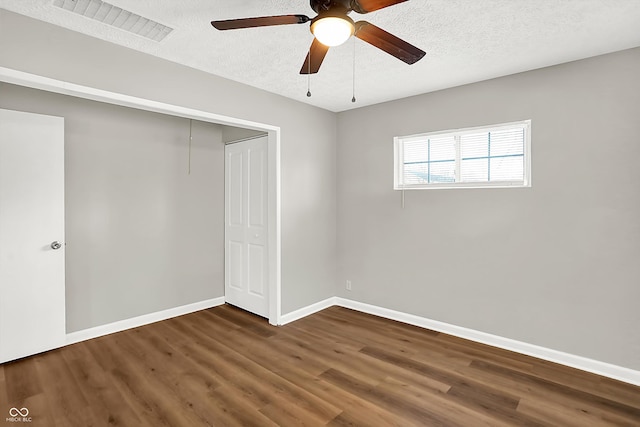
point(116, 17)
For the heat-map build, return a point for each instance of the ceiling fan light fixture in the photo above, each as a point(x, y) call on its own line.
point(332, 30)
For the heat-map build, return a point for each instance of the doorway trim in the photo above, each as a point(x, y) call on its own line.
point(20, 78)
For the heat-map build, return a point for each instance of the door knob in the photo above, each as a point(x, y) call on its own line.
point(56, 245)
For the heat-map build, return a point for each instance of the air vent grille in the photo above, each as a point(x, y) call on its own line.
point(116, 17)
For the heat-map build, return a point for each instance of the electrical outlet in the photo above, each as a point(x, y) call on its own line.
point(348, 285)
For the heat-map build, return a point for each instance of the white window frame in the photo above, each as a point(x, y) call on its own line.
point(398, 158)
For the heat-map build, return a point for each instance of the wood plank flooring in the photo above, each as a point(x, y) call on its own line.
point(338, 367)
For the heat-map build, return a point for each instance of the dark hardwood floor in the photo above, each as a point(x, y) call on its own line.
point(225, 367)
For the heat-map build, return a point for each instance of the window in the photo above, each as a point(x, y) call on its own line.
point(488, 156)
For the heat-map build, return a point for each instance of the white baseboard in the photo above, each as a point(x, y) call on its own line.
point(601, 368)
point(134, 322)
point(306, 311)
point(594, 366)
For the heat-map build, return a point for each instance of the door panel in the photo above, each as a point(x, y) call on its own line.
point(235, 265)
point(256, 269)
point(32, 302)
point(235, 189)
point(246, 239)
point(257, 207)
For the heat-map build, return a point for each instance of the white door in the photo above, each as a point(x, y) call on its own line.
point(32, 301)
point(246, 239)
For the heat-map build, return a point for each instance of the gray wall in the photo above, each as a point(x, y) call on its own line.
point(142, 233)
point(555, 265)
point(308, 136)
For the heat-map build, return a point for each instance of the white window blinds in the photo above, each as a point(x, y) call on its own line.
point(494, 156)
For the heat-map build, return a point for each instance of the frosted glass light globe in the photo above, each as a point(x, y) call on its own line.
point(332, 30)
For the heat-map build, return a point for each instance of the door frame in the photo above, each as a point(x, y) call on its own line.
point(20, 78)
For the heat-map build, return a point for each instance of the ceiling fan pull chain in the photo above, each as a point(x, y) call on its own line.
point(309, 75)
point(353, 99)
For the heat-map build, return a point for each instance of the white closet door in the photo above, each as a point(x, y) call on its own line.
point(246, 240)
point(32, 299)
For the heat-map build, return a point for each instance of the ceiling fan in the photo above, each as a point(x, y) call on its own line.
point(332, 27)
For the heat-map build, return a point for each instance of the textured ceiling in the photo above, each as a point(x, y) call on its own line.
point(465, 40)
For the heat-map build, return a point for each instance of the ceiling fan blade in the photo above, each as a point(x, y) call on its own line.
point(263, 21)
point(314, 59)
point(366, 6)
point(391, 44)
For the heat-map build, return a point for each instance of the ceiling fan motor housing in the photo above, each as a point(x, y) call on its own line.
point(342, 7)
